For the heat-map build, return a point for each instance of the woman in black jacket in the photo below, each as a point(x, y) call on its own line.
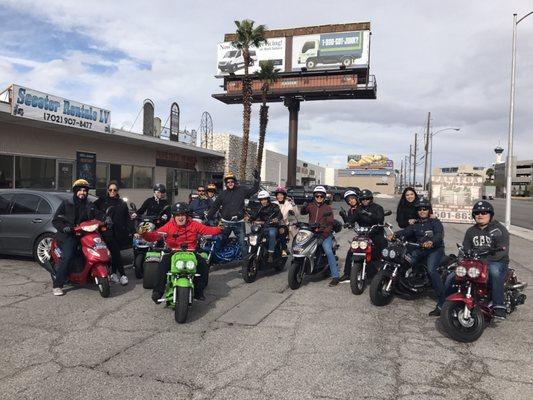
point(406, 213)
point(118, 235)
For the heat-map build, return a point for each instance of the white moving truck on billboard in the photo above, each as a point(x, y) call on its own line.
point(230, 59)
point(323, 51)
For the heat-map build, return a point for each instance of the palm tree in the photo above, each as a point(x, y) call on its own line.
point(267, 74)
point(490, 174)
point(246, 36)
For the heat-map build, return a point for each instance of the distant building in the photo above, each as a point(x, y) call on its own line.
point(377, 180)
point(465, 169)
point(521, 175)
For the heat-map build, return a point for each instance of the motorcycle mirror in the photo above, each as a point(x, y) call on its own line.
point(387, 213)
point(133, 206)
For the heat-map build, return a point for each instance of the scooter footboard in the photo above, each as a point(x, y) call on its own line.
point(99, 271)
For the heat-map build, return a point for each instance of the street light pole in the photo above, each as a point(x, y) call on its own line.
point(431, 154)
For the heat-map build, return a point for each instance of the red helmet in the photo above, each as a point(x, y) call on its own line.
point(280, 189)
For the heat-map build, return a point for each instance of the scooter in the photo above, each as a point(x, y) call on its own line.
point(308, 258)
point(258, 251)
point(214, 253)
point(399, 276)
point(467, 312)
point(92, 260)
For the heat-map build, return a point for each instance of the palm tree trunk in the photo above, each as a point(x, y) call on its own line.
point(246, 114)
point(263, 121)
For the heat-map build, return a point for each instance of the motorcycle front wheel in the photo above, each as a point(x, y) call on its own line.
point(457, 326)
point(296, 274)
point(357, 280)
point(103, 287)
point(379, 295)
point(249, 270)
point(182, 305)
point(138, 265)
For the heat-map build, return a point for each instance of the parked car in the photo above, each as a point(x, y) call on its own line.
point(26, 221)
point(300, 194)
point(337, 192)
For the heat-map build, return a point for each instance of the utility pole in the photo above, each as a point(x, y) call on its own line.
point(401, 175)
point(410, 162)
point(426, 183)
point(414, 161)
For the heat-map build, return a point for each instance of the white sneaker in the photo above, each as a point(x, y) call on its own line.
point(123, 280)
point(57, 291)
point(114, 278)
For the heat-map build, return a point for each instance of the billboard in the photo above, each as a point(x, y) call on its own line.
point(32, 104)
point(231, 61)
point(452, 197)
point(327, 50)
point(369, 161)
point(86, 167)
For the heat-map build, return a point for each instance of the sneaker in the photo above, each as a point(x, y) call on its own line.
point(500, 313)
point(114, 278)
point(123, 280)
point(156, 296)
point(57, 291)
point(435, 312)
point(344, 278)
point(334, 282)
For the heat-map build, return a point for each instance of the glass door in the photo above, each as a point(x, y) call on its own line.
point(65, 171)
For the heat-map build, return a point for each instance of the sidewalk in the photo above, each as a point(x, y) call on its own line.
point(521, 232)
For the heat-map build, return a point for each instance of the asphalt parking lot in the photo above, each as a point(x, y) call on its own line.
point(251, 341)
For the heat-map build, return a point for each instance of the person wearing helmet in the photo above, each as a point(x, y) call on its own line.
point(366, 215)
point(321, 213)
point(429, 233)
point(71, 212)
point(268, 213)
point(154, 206)
point(201, 203)
point(211, 191)
point(287, 208)
point(230, 205)
point(488, 233)
point(351, 199)
point(181, 231)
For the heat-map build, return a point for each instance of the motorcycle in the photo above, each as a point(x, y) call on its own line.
point(179, 290)
point(308, 258)
point(144, 251)
point(469, 310)
point(212, 250)
point(91, 261)
point(399, 276)
point(258, 251)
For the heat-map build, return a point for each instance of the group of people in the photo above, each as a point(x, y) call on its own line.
point(414, 216)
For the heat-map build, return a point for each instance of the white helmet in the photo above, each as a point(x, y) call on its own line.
point(263, 194)
point(319, 189)
point(349, 193)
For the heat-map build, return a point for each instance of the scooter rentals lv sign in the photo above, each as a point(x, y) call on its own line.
point(32, 104)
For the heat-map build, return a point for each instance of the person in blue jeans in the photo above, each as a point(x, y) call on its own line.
point(322, 214)
point(489, 234)
point(429, 233)
point(268, 213)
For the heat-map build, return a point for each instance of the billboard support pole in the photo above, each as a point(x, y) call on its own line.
point(410, 164)
point(294, 107)
point(414, 160)
point(426, 149)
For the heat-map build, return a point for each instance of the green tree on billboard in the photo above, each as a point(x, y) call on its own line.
point(246, 36)
point(267, 74)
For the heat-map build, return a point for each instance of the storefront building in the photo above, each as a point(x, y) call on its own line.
point(46, 142)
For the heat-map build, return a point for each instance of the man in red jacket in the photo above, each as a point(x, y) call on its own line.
point(181, 231)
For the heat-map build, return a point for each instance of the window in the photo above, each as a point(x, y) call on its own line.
point(101, 175)
point(6, 172)
point(35, 173)
point(142, 177)
point(308, 46)
point(44, 207)
point(5, 203)
point(126, 176)
point(26, 204)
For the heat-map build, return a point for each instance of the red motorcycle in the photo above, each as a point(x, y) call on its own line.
point(92, 260)
point(467, 312)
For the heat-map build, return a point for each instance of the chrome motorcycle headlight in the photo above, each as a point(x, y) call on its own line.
point(190, 265)
point(354, 245)
point(385, 252)
point(392, 254)
point(180, 264)
point(460, 271)
point(473, 272)
point(363, 245)
point(302, 236)
point(252, 239)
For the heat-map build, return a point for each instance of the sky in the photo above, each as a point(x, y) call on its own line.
point(451, 58)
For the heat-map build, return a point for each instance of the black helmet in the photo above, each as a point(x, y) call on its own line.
point(483, 206)
point(366, 194)
point(159, 187)
point(424, 203)
point(180, 208)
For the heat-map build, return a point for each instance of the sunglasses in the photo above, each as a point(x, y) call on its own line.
point(319, 196)
point(201, 191)
point(112, 190)
point(423, 209)
point(481, 213)
point(229, 181)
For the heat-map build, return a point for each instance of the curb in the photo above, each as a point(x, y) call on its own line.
point(521, 232)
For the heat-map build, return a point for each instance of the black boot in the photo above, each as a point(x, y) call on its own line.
point(199, 295)
point(435, 312)
point(156, 296)
point(500, 313)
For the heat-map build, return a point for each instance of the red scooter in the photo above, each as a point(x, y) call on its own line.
point(92, 260)
point(467, 312)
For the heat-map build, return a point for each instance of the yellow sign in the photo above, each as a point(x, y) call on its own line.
point(369, 161)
